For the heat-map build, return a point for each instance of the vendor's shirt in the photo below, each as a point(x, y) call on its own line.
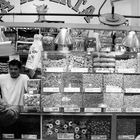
point(13, 89)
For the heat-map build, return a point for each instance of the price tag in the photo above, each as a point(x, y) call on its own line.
point(126, 137)
point(96, 90)
point(79, 69)
point(12, 57)
point(113, 110)
point(132, 90)
point(65, 136)
point(71, 109)
point(29, 136)
point(132, 110)
point(51, 109)
point(54, 69)
point(24, 42)
point(50, 89)
point(31, 91)
point(113, 89)
point(33, 88)
point(98, 137)
point(8, 136)
point(72, 89)
point(102, 70)
point(123, 70)
point(92, 109)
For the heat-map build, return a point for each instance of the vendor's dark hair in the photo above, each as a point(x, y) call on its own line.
point(15, 62)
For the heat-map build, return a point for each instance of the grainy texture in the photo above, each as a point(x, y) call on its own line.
point(53, 60)
point(113, 100)
point(92, 80)
point(126, 126)
point(131, 81)
point(73, 80)
point(51, 79)
point(113, 80)
point(126, 64)
point(92, 100)
point(131, 101)
point(51, 100)
point(72, 100)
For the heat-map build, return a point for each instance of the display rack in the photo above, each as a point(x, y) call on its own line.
point(113, 117)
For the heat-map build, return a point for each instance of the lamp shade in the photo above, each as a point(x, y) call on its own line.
point(131, 41)
point(63, 37)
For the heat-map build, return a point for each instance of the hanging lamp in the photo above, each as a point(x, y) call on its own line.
point(132, 42)
point(63, 40)
point(112, 19)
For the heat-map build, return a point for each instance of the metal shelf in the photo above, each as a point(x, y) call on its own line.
point(70, 25)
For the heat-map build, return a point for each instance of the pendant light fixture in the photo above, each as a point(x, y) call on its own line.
point(131, 42)
point(63, 40)
point(112, 18)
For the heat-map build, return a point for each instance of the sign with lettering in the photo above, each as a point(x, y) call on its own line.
point(76, 6)
point(5, 7)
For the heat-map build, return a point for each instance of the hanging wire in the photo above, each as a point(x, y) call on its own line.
point(101, 7)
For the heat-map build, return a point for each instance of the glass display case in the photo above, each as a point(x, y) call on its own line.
point(87, 93)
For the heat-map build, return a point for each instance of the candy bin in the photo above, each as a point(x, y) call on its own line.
point(31, 103)
point(79, 62)
point(34, 86)
point(113, 82)
point(99, 127)
point(126, 128)
point(92, 81)
point(71, 101)
point(90, 44)
point(104, 62)
point(79, 44)
point(131, 103)
point(32, 97)
point(72, 82)
point(57, 127)
point(54, 62)
point(51, 102)
point(92, 101)
point(92, 88)
point(113, 92)
point(126, 65)
point(72, 87)
point(51, 82)
point(131, 81)
point(48, 42)
point(113, 102)
point(132, 90)
point(76, 127)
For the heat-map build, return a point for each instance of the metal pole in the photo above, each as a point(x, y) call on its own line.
point(59, 14)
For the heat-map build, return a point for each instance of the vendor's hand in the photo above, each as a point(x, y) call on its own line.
point(3, 103)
